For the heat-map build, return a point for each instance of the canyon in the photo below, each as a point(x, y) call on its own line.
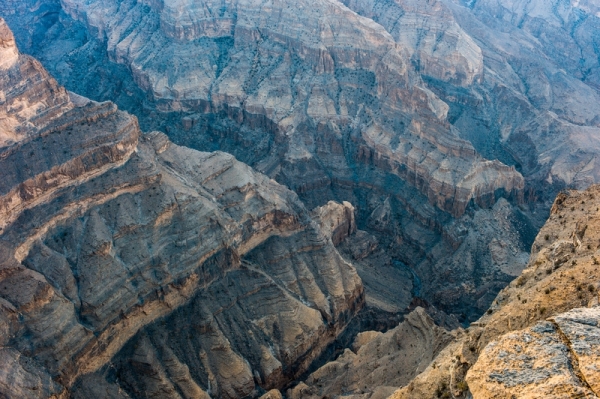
point(112, 241)
point(426, 117)
point(307, 198)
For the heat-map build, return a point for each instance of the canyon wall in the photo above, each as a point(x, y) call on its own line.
point(541, 332)
point(133, 266)
point(333, 104)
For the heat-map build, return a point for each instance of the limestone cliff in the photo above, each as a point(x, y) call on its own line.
point(133, 267)
point(297, 64)
point(328, 102)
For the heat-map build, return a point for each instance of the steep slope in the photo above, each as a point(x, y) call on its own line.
point(520, 78)
point(132, 267)
point(321, 99)
point(379, 363)
point(539, 337)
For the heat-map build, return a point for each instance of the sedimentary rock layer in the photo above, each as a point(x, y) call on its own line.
point(132, 266)
point(335, 105)
point(379, 363)
point(302, 65)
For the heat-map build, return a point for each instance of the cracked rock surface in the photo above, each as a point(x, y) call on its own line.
point(552, 359)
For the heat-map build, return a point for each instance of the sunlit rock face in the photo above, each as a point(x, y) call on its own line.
point(133, 266)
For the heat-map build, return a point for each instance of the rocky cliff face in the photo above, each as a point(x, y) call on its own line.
point(379, 363)
point(300, 65)
point(333, 104)
point(130, 266)
point(538, 339)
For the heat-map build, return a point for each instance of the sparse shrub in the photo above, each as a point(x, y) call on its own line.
point(440, 389)
point(547, 237)
point(542, 310)
point(579, 288)
point(489, 311)
point(591, 288)
point(462, 386)
point(548, 271)
point(547, 291)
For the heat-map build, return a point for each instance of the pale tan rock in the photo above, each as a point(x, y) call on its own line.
point(29, 97)
point(381, 363)
point(537, 362)
point(444, 50)
point(272, 394)
point(579, 330)
point(336, 220)
point(8, 48)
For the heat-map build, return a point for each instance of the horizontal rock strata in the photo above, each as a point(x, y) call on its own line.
point(130, 266)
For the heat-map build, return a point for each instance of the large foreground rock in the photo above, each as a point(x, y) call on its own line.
point(553, 359)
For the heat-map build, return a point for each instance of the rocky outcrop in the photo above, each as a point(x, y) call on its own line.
point(336, 220)
point(555, 358)
point(30, 97)
point(439, 47)
point(538, 337)
point(130, 266)
point(379, 363)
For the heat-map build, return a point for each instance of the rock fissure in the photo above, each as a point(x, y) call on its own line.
point(573, 358)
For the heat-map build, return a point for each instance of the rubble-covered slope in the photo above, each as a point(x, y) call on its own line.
point(132, 267)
